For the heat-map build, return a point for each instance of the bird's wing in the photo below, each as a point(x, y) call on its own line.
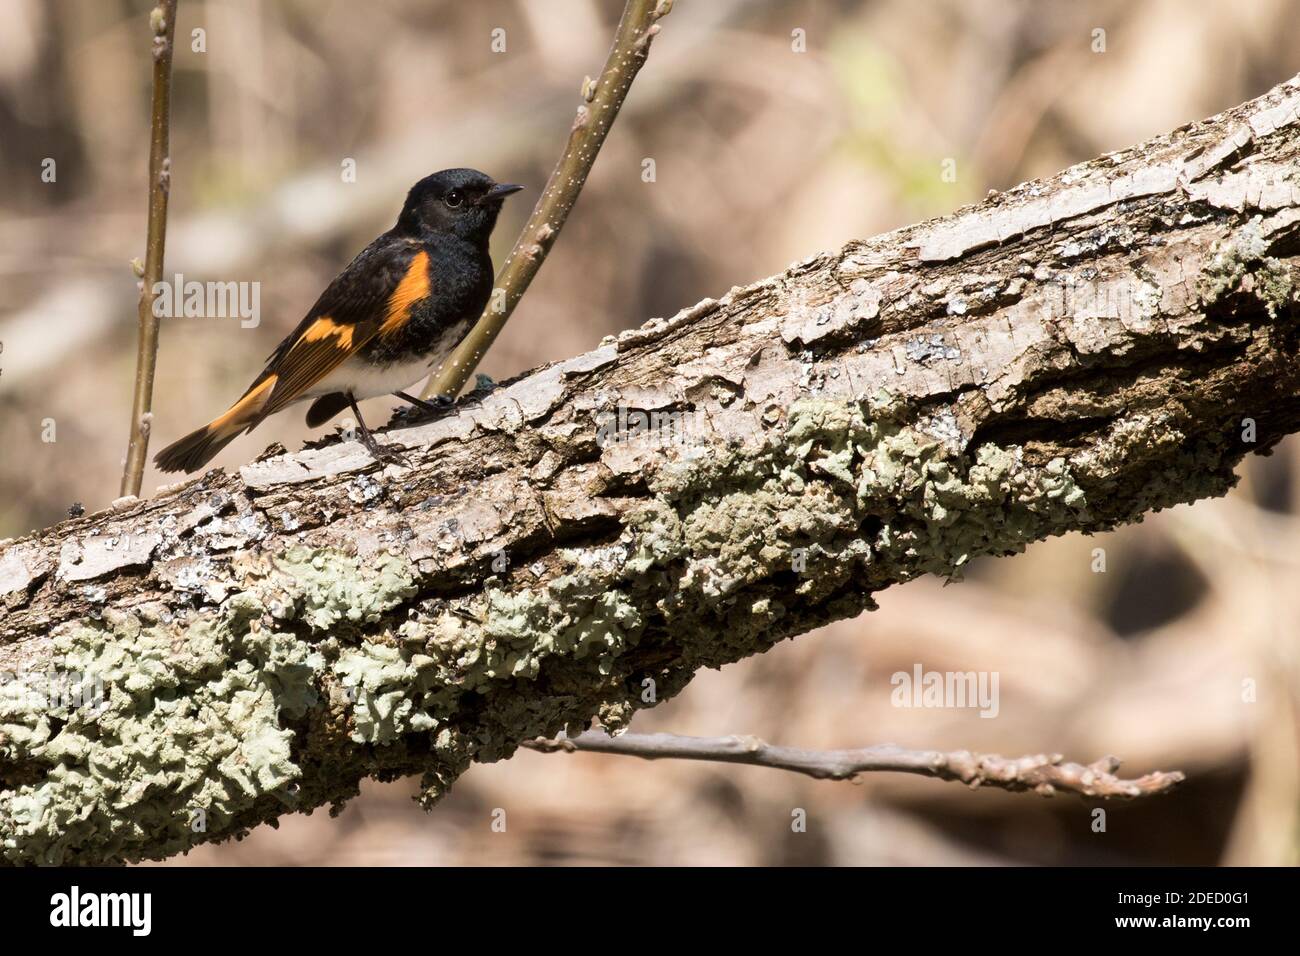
point(372, 296)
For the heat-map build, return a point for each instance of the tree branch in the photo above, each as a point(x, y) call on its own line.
point(162, 21)
point(1065, 356)
point(1042, 773)
point(602, 99)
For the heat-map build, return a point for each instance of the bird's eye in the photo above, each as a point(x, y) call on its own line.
point(454, 198)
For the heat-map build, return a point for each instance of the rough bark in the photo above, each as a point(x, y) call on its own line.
point(1064, 356)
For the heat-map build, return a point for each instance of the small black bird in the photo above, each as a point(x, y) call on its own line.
point(396, 310)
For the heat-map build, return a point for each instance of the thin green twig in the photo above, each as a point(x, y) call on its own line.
point(162, 20)
point(602, 99)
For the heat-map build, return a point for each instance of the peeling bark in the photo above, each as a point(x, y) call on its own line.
point(1064, 356)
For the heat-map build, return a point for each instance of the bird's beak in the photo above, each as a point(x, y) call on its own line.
point(500, 191)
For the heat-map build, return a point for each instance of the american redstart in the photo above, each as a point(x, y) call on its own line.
point(380, 326)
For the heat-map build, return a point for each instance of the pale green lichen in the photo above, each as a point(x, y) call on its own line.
point(192, 723)
point(413, 684)
point(842, 462)
point(394, 691)
point(322, 589)
point(1244, 255)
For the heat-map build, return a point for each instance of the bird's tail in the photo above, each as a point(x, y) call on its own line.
point(200, 446)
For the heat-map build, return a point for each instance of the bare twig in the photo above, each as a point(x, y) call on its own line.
point(1042, 773)
point(163, 22)
point(602, 99)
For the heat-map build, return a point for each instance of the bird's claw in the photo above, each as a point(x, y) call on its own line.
point(384, 455)
point(390, 455)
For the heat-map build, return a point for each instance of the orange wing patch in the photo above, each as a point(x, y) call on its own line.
point(322, 347)
point(324, 328)
point(413, 287)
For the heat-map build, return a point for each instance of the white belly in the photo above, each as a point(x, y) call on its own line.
point(369, 381)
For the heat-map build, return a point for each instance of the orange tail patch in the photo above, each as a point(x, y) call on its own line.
point(200, 446)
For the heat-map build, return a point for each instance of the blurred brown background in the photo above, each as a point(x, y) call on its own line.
point(763, 155)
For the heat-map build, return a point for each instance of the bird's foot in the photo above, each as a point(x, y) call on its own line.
point(382, 454)
point(420, 409)
point(387, 456)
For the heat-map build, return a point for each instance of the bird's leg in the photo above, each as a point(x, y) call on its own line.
point(438, 404)
point(380, 455)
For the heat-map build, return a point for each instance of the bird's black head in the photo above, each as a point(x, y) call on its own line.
point(460, 202)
